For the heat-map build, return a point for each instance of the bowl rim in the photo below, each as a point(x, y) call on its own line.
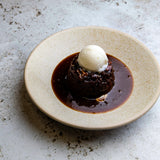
point(137, 116)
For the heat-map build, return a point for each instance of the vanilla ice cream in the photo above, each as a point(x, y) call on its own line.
point(93, 58)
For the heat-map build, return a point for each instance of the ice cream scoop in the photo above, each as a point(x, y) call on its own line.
point(93, 58)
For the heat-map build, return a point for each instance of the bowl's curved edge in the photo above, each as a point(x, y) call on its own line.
point(145, 110)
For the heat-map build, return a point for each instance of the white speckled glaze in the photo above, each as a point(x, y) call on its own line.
point(134, 54)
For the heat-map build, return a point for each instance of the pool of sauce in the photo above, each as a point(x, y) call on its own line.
point(117, 96)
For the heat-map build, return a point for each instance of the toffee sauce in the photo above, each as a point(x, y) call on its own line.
point(118, 95)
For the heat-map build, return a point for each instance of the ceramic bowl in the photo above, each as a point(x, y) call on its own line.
point(142, 63)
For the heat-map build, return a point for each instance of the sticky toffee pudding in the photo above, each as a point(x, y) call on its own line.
point(92, 91)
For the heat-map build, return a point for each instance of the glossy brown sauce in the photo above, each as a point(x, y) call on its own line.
point(117, 96)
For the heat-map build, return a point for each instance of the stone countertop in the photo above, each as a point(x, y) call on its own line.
point(28, 134)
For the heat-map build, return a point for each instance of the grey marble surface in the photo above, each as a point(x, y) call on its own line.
point(28, 134)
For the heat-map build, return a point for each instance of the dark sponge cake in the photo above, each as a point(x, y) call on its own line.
point(88, 83)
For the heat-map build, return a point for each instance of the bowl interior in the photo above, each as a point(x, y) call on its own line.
point(134, 54)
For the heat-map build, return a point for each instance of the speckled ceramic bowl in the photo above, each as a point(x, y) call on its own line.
point(143, 65)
